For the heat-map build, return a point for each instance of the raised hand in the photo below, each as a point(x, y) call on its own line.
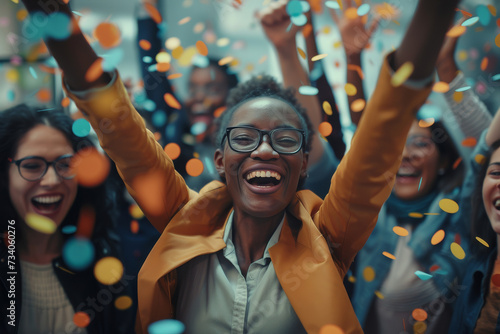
point(445, 63)
point(276, 24)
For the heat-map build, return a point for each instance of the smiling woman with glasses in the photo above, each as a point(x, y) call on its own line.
point(36, 180)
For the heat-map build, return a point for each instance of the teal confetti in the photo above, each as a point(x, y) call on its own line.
point(484, 14)
point(332, 4)
point(149, 105)
point(305, 6)
point(159, 118)
point(78, 253)
point(495, 77)
point(33, 72)
point(420, 183)
point(363, 9)
point(462, 89)
point(81, 127)
point(200, 61)
point(68, 229)
point(308, 90)
point(59, 26)
point(77, 13)
point(147, 59)
point(167, 326)
point(429, 111)
point(11, 95)
point(112, 59)
point(39, 110)
point(471, 21)
point(423, 276)
point(198, 128)
point(299, 20)
point(294, 8)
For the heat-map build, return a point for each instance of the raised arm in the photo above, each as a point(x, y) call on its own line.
point(281, 33)
point(121, 130)
point(365, 177)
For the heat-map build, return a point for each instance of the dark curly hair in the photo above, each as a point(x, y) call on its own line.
point(14, 124)
point(262, 86)
point(231, 78)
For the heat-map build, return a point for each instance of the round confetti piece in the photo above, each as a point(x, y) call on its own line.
point(299, 20)
point(419, 314)
point(437, 237)
point(425, 123)
point(441, 87)
point(224, 41)
point(308, 90)
point(94, 71)
point(458, 97)
point(78, 253)
point(44, 95)
point(65, 102)
point(415, 215)
point(202, 48)
point(379, 295)
point(218, 112)
point(363, 9)
point(471, 21)
point(389, 255)
point(108, 270)
point(153, 12)
point(91, 167)
point(331, 329)
point(59, 26)
point(293, 8)
point(187, 56)
point(81, 319)
point(332, 4)
point(225, 60)
point(172, 42)
point(495, 279)
point(194, 167)
point(480, 159)
point(497, 39)
point(457, 251)
point(350, 89)
point(184, 20)
point(112, 59)
point(135, 211)
point(21, 14)
point(484, 14)
point(368, 274)
point(162, 67)
point(319, 57)
point(456, 31)
point(177, 52)
point(167, 326)
point(484, 243)
point(351, 13)
point(352, 279)
point(469, 142)
point(327, 108)
point(123, 302)
point(145, 44)
point(401, 231)
point(402, 74)
point(419, 327)
point(81, 127)
point(173, 150)
point(172, 101)
point(304, 4)
point(134, 226)
point(68, 229)
point(423, 276)
point(198, 27)
point(358, 105)
point(448, 205)
point(108, 35)
point(198, 128)
point(40, 223)
point(11, 95)
point(163, 57)
point(200, 61)
point(12, 75)
point(159, 118)
point(325, 129)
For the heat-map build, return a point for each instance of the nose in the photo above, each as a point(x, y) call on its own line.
point(264, 151)
point(51, 178)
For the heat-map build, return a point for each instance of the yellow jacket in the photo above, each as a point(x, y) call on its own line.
point(319, 238)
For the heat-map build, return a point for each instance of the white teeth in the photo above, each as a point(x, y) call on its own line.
point(47, 199)
point(497, 202)
point(263, 173)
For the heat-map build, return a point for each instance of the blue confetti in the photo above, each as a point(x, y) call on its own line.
point(294, 8)
point(495, 77)
point(471, 21)
point(33, 72)
point(59, 26)
point(112, 59)
point(78, 253)
point(363, 9)
point(167, 326)
point(81, 127)
point(484, 14)
point(308, 90)
point(147, 59)
point(159, 118)
point(299, 20)
point(462, 89)
point(68, 229)
point(332, 4)
point(423, 276)
point(198, 128)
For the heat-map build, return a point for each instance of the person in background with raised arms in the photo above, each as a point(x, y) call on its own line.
point(254, 236)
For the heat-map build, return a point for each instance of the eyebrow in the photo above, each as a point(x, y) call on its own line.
point(494, 164)
point(282, 126)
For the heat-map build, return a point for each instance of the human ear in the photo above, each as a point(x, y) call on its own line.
point(303, 169)
point(219, 163)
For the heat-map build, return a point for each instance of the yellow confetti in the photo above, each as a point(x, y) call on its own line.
point(123, 302)
point(415, 215)
point(462, 55)
point(379, 295)
point(457, 251)
point(15, 1)
point(402, 74)
point(40, 223)
point(327, 108)
point(225, 60)
point(458, 97)
point(221, 42)
point(135, 211)
point(172, 43)
point(448, 205)
point(441, 87)
point(350, 89)
point(12, 75)
point(456, 31)
point(184, 20)
point(351, 13)
point(352, 279)
point(177, 52)
point(21, 14)
point(358, 105)
point(337, 44)
point(482, 242)
point(319, 57)
point(431, 214)
point(480, 159)
point(437, 237)
point(389, 255)
point(301, 53)
point(369, 274)
point(187, 56)
point(163, 57)
point(249, 67)
point(326, 30)
point(108, 270)
point(401, 231)
point(419, 327)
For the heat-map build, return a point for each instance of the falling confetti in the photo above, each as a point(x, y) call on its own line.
point(81, 319)
point(308, 90)
point(484, 243)
point(44, 95)
point(108, 270)
point(108, 35)
point(441, 87)
point(202, 48)
point(91, 167)
point(389, 255)
point(469, 142)
point(319, 57)
point(172, 101)
point(423, 276)
point(327, 108)
point(325, 129)
point(402, 74)
point(401, 231)
point(153, 12)
point(437, 237)
point(369, 274)
point(456, 31)
point(457, 251)
point(480, 159)
point(420, 183)
point(471, 21)
point(194, 167)
point(94, 71)
point(448, 205)
point(78, 253)
point(358, 105)
point(350, 89)
point(81, 127)
point(135, 211)
point(40, 223)
point(419, 314)
point(415, 215)
point(173, 150)
point(145, 44)
point(301, 53)
point(169, 326)
point(123, 302)
point(184, 20)
point(331, 329)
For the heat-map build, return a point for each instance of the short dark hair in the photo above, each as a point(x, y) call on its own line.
point(262, 86)
point(14, 124)
point(231, 78)
point(480, 223)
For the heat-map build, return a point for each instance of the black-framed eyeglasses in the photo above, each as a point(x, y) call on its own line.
point(33, 168)
point(245, 139)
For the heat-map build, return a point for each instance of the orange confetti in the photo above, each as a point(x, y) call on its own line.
point(94, 71)
point(358, 105)
point(437, 237)
point(456, 163)
point(456, 31)
point(218, 112)
point(202, 48)
point(401, 231)
point(44, 95)
point(425, 123)
point(301, 53)
point(162, 67)
point(134, 226)
point(441, 87)
point(65, 102)
point(307, 30)
point(389, 255)
point(145, 44)
point(331, 329)
point(469, 142)
point(419, 314)
point(464, 13)
point(194, 167)
point(484, 64)
point(174, 76)
point(357, 68)
point(86, 222)
point(108, 35)
point(184, 20)
point(173, 150)
point(81, 319)
point(351, 13)
point(91, 167)
point(153, 12)
point(172, 101)
point(325, 129)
